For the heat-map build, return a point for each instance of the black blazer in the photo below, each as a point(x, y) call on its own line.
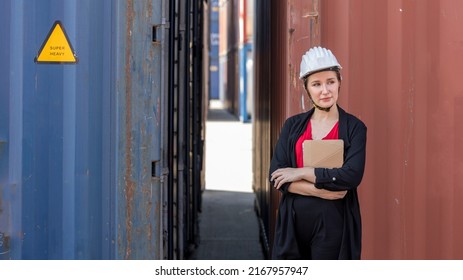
point(354, 133)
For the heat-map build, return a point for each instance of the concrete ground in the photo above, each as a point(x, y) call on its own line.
point(228, 223)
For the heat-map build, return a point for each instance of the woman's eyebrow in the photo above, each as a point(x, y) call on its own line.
point(318, 81)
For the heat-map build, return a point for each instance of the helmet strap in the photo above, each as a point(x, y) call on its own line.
point(327, 109)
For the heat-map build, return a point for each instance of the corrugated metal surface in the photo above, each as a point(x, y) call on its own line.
point(401, 61)
point(249, 23)
point(400, 70)
point(55, 186)
point(5, 203)
point(229, 54)
point(102, 159)
point(78, 141)
point(138, 129)
point(235, 45)
point(187, 83)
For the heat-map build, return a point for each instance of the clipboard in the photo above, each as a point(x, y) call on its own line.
point(323, 153)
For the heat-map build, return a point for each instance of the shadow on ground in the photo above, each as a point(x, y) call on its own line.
point(228, 227)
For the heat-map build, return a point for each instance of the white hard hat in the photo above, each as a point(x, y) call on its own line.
point(316, 59)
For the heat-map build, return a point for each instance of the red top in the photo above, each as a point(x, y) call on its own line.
point(307, 135)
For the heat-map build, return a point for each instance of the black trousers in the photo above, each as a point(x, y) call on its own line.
point(318, 227)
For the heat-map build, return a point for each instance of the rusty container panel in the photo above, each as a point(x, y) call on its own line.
point(401, 66)
point(400, 62)
point(249, 22)
point(138, 88)
point(223, 41)
point(246, 21)
point(304, 33)
point(242, 21)
point(229, 55)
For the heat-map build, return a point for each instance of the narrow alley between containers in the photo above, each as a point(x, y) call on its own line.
point(228, 223)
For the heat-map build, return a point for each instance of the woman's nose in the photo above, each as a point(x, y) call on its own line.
point(324, 88)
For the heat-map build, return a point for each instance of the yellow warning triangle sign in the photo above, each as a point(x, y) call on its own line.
point(56, 48)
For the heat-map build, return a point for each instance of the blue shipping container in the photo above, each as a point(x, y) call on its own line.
point(80, 142)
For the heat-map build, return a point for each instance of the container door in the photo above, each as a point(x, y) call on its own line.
point(54, 130)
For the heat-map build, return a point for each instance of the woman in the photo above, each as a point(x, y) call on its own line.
point(319, 214)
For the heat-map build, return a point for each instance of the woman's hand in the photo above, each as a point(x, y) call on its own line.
point(285, 175)
point(288, 175)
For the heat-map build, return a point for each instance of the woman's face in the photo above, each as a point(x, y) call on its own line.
point(323, 87)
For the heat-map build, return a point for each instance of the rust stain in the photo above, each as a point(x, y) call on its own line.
point(150, 236)
point(149, 204)
point(151, 51)
point(129, 183)
point(150, 9)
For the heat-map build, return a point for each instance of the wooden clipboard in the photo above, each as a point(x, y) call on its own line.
point(323, 153)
